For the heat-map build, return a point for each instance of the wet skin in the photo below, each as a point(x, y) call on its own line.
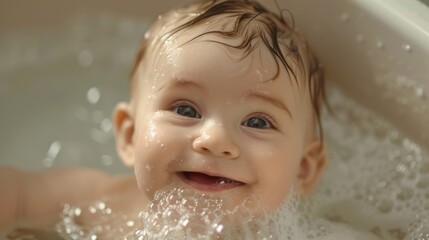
point(202, 119)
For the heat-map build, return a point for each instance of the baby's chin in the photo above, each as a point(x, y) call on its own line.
point(180, 209)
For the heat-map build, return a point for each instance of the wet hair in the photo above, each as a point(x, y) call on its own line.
point(252, 24)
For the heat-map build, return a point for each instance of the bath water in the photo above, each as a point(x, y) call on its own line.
point(376, 184)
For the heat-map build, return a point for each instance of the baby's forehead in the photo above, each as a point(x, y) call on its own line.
point(241, 39)
point(216, 30)
point(179, 55)
point(254, 74)
point(183, 54)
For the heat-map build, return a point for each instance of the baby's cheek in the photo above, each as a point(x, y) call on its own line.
point(147, 149)
point(276, 170)
point(155, 151)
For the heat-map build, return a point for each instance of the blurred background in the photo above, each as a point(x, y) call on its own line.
point(21, 14)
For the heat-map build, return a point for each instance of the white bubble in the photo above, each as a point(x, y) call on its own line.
point(54, 149)
point(407, 47)
point(106, 125)
point(52, 153)
point(93, 95)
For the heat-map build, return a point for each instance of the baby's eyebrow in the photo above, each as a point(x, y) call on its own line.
point(267, 98)
point(180, 83)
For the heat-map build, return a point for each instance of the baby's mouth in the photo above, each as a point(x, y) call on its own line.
point(206, 182)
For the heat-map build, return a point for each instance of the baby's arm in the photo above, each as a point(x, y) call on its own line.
point(37, 198)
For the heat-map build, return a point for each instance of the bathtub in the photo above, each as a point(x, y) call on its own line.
point(55, 110)
point(378, 52)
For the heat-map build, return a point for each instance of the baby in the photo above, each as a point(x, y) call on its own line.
point(225, 101)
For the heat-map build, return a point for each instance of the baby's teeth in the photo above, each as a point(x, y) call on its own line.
point(225, 181)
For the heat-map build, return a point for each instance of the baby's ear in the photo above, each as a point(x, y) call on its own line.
point(124, 131)
point(312, 164)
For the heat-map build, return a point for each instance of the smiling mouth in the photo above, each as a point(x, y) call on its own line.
point(205, 182)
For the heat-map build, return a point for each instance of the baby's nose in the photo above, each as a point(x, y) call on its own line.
point(215, 140)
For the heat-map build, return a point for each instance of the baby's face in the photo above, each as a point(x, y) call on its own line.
point(203, 120)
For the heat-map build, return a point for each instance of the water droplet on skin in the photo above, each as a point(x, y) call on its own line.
point(130, 223)
point(108, 211)
point(185, 222)
point(101, 205)
point(219, 228)
point(92, 209)
point(77, 212)
point(259, 73)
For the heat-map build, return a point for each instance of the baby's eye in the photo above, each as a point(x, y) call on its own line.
point(186, 110)
point(257, 122)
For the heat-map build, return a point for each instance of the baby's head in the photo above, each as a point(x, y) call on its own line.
point(225, 100)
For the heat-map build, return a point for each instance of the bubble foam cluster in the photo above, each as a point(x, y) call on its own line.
point(377, 180)
point(179, 213)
